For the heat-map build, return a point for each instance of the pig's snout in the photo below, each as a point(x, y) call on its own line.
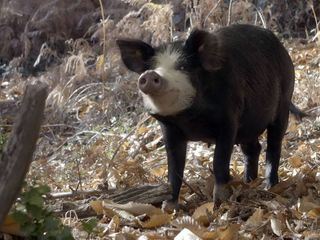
point(150, 82)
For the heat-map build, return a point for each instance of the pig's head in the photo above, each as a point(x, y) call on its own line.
point(170, 74)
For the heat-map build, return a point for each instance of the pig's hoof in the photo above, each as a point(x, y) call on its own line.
point(271, 182)
point(221, 193)
point(170, 206)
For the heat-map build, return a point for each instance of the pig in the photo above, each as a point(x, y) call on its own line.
point(224, 87)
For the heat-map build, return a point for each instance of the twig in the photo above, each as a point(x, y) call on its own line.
point(312, 109)
point(200, 195)
point(229, 13)
point(171, 29)
point(79, 176)
point(120, 144)
point(81, 90)
point(76, 193)
point(211, 11)
point(82, 132)
point(6, 125)
point(103, 30)
point(315, 18)
point(46, 126)
point(59, 125)
point(264, 24)
point(126, 137)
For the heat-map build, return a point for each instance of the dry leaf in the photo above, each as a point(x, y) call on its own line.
point(124, 214)
point(122, 236)
point(301, 188)
point(186, 234)
point(10, 226)
point(306, 203)
point(114, 224)
point(209, 235)
point(185, 222)
point(276, 226)
point(256, 219)
point(159, 171)
point(229, 232)
point(100, 63)
point(296, 161)
point(97, 207)
point(281, 186)
point(189, 223)
point(142, 129)
point(154, 144)
point(133, 208)
point(201, 213)
point(311, 235)
point(156, 220)
point(314, 213)
point(152, 236)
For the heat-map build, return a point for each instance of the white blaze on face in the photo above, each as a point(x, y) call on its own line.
point(178, 92)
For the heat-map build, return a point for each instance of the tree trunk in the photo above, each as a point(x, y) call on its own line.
point(17, 155)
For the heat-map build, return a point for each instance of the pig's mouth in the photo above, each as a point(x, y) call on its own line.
point(162, 102)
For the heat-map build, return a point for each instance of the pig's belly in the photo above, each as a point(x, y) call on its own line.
point(253, 125)
point(205, 134)
point(208, 135)
point(207, 131)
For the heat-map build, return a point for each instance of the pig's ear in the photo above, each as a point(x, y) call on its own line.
point(135, 54)
point(206, 47)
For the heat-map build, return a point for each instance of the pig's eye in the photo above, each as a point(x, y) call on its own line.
point(181, 68)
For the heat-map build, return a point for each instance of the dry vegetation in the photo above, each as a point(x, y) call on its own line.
point(96, 135)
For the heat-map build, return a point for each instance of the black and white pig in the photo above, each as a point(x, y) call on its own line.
point(225, 87)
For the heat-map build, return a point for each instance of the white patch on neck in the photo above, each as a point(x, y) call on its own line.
point(178, 93)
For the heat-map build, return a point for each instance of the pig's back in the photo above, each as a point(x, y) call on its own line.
point(261, 73)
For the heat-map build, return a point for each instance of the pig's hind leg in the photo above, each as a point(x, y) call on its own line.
point(251, 152)
point(275, 132)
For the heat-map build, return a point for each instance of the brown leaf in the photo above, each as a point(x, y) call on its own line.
point(306, 204)
point(256, 219)
point(229, 232)
point(281, 186)
point(10, 226)
point(97, 206)
point(201, 213)
point(296, 161)
point(114, 224)
point(314, 213)
point(156, 220)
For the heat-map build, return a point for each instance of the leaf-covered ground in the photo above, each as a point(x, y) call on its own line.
point(126, 155)
point(96, 136)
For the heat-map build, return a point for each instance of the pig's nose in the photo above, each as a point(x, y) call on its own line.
point(150, 82)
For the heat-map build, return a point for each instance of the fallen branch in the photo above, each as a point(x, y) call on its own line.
point(76, 194)
point(152, 194)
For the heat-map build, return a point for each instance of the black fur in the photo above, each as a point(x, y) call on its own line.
point(244, 79)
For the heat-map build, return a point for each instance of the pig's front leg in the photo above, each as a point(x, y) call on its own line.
point(176, 145)
point(221, 162)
